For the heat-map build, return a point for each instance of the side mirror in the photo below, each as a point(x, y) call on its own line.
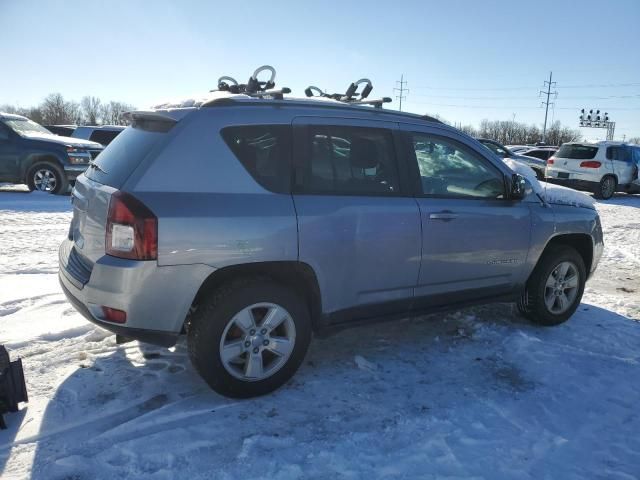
point(518, 187)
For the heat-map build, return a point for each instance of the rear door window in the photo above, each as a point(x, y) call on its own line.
point(344, 160)
point(265, 152)
point(620, 153)
point(577, 152)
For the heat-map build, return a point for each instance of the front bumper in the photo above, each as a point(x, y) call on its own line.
point(156, 298)
point(73, 171)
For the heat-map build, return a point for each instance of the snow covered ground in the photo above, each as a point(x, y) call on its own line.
point(473, 394)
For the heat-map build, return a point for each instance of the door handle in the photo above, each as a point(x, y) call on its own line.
point(444, 216)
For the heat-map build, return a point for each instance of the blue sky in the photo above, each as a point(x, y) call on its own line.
point(463, 60)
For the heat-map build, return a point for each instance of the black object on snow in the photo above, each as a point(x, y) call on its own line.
point(13, 390)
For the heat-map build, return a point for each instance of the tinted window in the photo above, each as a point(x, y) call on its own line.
point(541, 154)
point(125, 153)
point(348, 161)
point(577, 152)
point(619, 153)
point(448, 168)
point(105, 137)
point(265, 151)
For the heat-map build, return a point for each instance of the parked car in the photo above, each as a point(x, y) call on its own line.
point(31, 154)
point(519, 148)
point(62, 130)
point(103, 134)
point(602, 168)
point(306, 215)
point(543, 153)
point(536, 164)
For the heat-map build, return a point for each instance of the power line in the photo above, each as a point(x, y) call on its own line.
point(402, 82)
point(604, 85)
point(548, 84)
point(520, 97)
point(511, 107)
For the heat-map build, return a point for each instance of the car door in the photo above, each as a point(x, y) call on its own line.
point(474, 240)
point(359, 228)
point(620, 156)
point(9, 155)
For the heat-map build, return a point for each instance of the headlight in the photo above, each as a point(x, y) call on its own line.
point(78, 155)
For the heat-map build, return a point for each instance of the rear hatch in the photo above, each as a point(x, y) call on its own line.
point(571, 156)
point(106, 175)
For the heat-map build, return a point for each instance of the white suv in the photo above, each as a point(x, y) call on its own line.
point(602, 168)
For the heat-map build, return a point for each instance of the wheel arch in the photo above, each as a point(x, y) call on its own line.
point(35, 158)
point(581, 242)
point(297, 275)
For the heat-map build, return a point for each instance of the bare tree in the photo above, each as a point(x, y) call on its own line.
point(91, 109)
point(635, 140)
point(112, 112)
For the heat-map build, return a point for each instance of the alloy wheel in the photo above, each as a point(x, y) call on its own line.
point(45, 180)
point(561, 287)
point(257, 341)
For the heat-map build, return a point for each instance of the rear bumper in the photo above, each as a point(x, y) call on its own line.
point(155, 298)
point(584, 185)
point(154, 337)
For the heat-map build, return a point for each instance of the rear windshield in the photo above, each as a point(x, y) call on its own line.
point(123, 155)
point(578, 152)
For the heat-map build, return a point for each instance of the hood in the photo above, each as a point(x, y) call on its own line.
point(559, 195)
point(74, 142)
point(550, 193)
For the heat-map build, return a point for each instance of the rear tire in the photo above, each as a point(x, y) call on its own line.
point(236, 317)
point(47, 177)
point(555, 288)
point(606, 188)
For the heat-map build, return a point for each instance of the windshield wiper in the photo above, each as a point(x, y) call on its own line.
point(97, 167)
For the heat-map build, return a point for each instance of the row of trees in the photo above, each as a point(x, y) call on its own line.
point(516, 133)
point(55, 110)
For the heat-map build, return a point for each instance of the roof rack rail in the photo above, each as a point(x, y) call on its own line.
point(253, 87)
point(351, 95)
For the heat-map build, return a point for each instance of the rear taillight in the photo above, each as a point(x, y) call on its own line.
point(132, 229)
point(590, 164)
point(551, 160)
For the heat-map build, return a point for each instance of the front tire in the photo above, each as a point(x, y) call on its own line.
point(555, 288)
point(249, 338)
point(606, 188)
point(47, 177)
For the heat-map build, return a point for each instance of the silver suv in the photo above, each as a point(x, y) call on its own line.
point(249, 223)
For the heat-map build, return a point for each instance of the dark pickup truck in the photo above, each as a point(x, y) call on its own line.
point(31, 154)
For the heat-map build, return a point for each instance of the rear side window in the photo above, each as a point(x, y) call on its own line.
point(123, 155)
point(577, 152)
point(265, 151)
point(342, 160)
point(619, 153)
point(105, 137)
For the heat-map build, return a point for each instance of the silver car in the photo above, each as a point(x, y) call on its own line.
point(248, 224)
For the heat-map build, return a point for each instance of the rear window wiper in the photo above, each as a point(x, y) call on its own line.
point(97, 167)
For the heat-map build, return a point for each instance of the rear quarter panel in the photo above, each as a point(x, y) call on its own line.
point(209, 208)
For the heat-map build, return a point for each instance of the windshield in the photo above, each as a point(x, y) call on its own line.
point(26, 127)
point(500, 151)
point(578, 152)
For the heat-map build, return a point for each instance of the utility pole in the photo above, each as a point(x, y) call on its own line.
point(402, 82)
point(547, 84)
